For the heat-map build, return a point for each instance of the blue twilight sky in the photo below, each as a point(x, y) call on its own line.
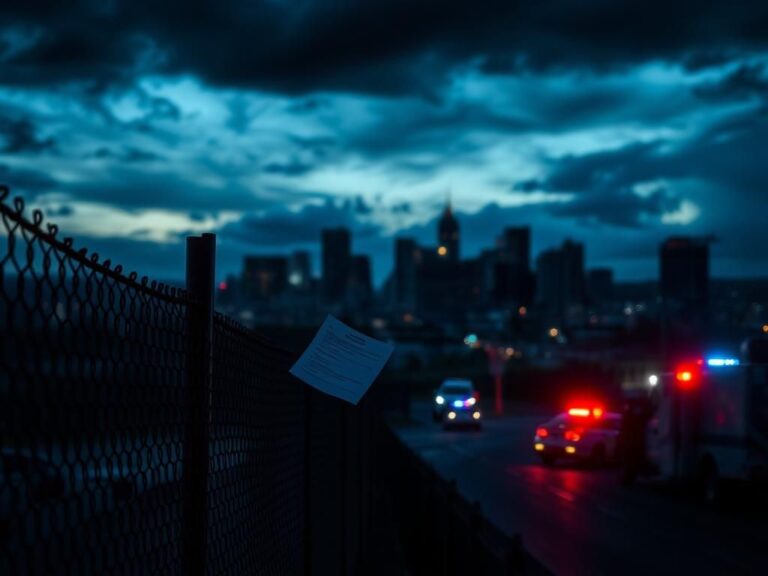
point(134, 123)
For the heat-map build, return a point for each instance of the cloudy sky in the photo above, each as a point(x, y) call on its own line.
point(133, 124)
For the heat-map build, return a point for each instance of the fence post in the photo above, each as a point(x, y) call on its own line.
point(201, 264)
point(308, 513)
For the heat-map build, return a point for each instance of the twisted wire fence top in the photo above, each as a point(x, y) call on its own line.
point(93, 412)
point(16, 222)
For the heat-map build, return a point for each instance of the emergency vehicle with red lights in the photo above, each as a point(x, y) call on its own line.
point(585, 432)
point(710, 423)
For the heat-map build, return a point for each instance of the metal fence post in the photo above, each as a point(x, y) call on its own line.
point(201, 264)
point(308, 515)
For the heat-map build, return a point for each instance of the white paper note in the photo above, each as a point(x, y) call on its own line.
point(341, 361)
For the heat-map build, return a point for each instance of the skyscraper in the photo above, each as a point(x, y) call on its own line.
point(684, 272)
point(684, 288)
point(406, 273)
point(514, 280)
point(360, 288)
point(560, 278)
point(448, 236)
point(337, 264)
point(515, 247)
point(573, 274)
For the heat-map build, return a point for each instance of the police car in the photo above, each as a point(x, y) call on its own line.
point(582, 433)
point(455, 402)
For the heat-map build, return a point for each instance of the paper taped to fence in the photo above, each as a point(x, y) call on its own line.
point(341, 361)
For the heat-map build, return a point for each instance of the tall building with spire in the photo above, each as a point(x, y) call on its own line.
point(448, 235)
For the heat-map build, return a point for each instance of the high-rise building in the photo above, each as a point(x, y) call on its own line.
point(264, 277)
point(514, 279)
point(560, 278)
point(573, 273)
point(684, 274)
point(360, 289)
point(549, 280)
point(337, 264)
point(406, 273)
point(448, 239)
point(300, 271)
point(515, 247)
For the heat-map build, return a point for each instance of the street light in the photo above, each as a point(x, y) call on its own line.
point(554, 332)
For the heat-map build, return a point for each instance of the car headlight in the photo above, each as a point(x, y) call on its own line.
point(439, 400)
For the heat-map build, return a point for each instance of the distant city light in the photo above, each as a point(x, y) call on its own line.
point(539, 447)
point(554, 332)
point(471, 340)
point(653, 379)
point(295, 279)
point(522, 310)
point(223, 285)
point(407, 317)
point(765, 328)
point(570, 450)
point(717, 362)
point(510, 351)
point(442, 251)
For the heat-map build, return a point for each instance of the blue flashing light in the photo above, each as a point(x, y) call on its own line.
point(720, 362)
point(458, 403)
point(471, 339)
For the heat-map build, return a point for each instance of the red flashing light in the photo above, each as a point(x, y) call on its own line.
point(542, 432)
point(686, 375)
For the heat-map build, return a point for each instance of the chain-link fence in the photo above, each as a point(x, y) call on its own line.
point(119, 454)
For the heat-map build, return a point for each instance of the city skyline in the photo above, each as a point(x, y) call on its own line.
point(131, 134)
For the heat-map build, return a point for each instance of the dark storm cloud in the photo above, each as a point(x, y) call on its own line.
point(619, 207)
point(383, 46)
point(22, 181)
point(746, 81)
point(20, 135)
point(603, 182)
point(126, 154)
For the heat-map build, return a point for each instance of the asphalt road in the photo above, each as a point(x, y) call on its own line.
point(578, 520)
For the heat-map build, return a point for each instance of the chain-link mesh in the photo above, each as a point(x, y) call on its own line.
point(257, 457)
point(93, 408)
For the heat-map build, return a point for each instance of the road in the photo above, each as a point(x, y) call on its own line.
point(578, 520)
